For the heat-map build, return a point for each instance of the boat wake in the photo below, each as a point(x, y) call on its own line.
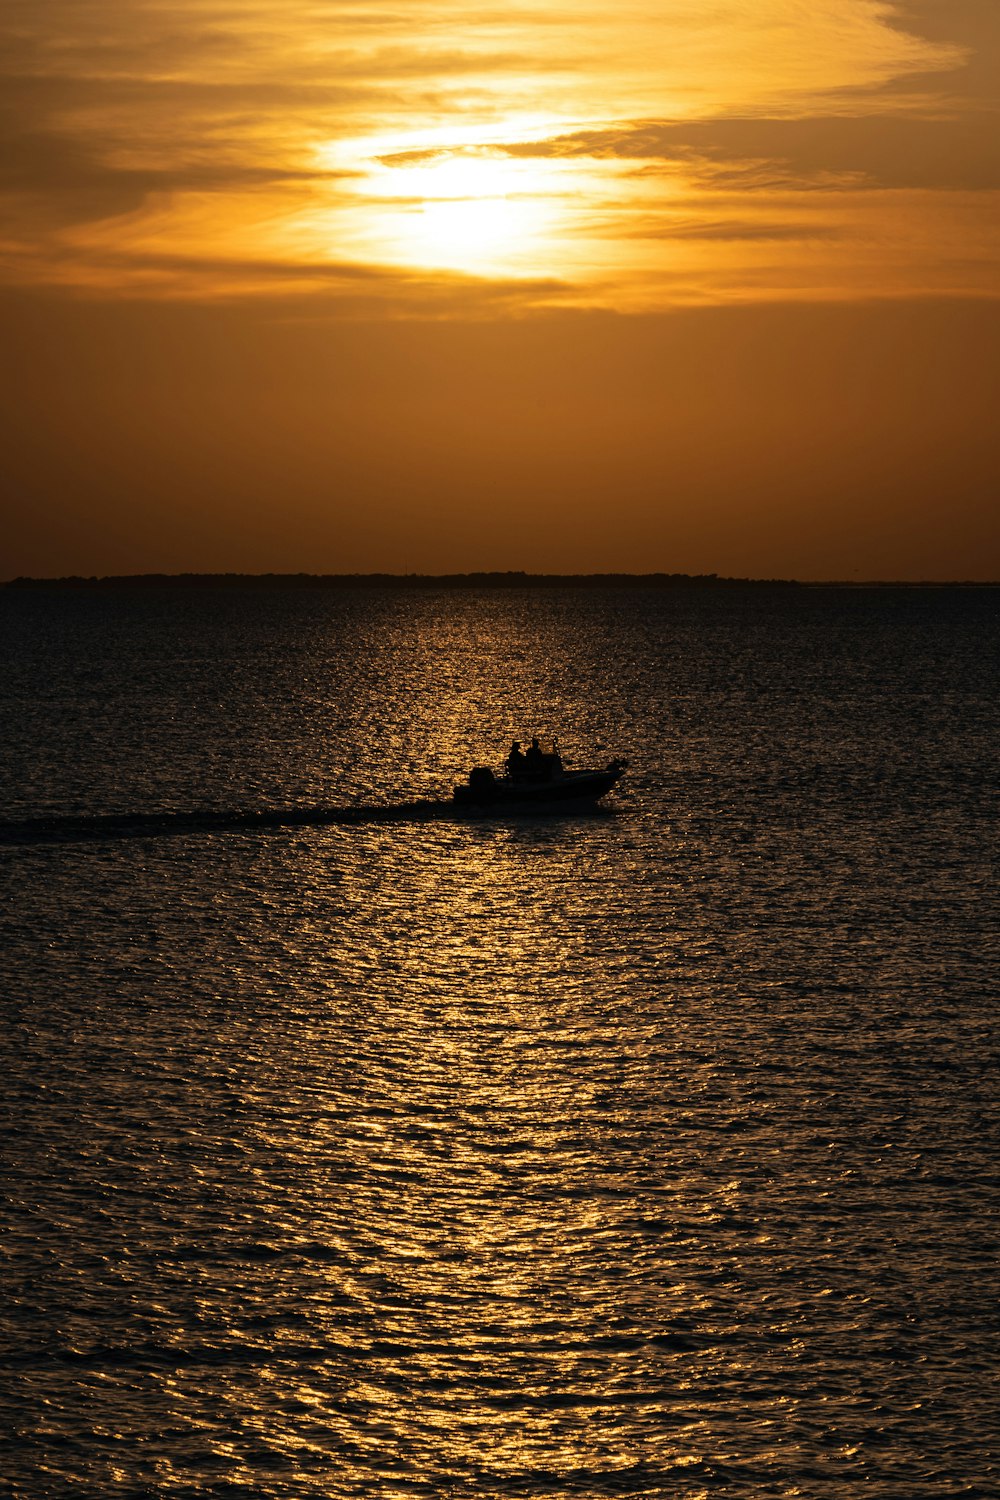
point(83, 829)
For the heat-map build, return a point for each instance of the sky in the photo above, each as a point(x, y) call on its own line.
point(695, 286)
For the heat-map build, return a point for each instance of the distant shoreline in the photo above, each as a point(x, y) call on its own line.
point(510, 580)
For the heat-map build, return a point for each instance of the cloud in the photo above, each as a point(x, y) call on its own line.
point(973, 25)
point(140, 139)
point(880, 151)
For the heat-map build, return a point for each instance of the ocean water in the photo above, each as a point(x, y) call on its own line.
point(645, 1153)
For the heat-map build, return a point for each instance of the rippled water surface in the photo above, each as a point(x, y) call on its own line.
point(646, 1153)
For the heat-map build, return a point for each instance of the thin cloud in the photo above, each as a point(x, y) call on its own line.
point(224, 134)
point(882, 151)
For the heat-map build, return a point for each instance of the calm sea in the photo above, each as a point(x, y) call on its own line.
point(645, 1154)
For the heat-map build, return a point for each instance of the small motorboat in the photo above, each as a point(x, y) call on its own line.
point(553, 785)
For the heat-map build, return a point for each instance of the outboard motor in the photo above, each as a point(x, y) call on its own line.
point(481, 781)
point(480, 787)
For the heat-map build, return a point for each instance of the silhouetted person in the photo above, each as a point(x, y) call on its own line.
point(535, 760)
point(516, 761)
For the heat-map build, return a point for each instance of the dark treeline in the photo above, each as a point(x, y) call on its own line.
point(401, 580)
point(460, 581)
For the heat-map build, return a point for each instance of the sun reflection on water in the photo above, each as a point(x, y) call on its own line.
point(481, 1253)
point(547, 1157)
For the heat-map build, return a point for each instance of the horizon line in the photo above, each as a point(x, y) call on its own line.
point(510, 578)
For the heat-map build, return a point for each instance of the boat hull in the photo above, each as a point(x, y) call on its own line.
point(571, 787)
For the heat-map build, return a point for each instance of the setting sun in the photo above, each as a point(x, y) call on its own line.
point(474, 213)
point(469, 234)
point(468, 207)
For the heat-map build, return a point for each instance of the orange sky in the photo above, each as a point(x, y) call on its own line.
point(440, 287)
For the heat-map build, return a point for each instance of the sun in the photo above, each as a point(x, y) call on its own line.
point(468, 208)
point(482, 233)
point(470, 212)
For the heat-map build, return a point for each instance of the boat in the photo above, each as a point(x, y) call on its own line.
point(554, 786)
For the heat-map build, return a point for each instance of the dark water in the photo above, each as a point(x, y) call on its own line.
point(646, 1154)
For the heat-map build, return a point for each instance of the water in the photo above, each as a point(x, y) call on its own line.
point(647, 1154)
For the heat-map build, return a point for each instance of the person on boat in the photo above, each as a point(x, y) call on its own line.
point(535, 760)
point(516, 761)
